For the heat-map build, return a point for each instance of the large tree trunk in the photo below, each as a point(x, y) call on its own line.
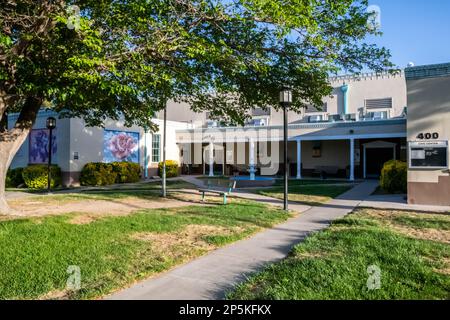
point(11, 140)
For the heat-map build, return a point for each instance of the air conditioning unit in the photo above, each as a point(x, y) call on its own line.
point(315, 118)
point(377, 115)
point(334, 118)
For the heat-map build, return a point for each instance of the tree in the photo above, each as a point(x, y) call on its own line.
point(97, 59)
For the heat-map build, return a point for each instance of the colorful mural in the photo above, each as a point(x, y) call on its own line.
point(120, 146)
point(38, 146)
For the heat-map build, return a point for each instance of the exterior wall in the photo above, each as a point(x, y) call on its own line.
point(88, 142)
point(181, 112)
point(62, 131)
point(334, 153)
point(369, 86)
point(428, 111)
point(74, 136)
point(366, 86)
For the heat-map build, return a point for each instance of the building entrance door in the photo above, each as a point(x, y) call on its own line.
point(375, 159)
point(376, 154)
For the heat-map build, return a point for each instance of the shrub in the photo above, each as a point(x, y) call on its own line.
point(97, 174)
point(36, 176)
point(127, 172)
point(14, 178)
point(394, 177)
point(171, 168)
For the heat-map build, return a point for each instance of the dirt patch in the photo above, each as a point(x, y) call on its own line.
point(424, 234)
point(55, 295)
point(82, 219)
point(189, 237)
point(32, 208)
point(387, 218)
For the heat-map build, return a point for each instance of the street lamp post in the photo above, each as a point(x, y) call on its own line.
point(285, 102)
point(51, 124)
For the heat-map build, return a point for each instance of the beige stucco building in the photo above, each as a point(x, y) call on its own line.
point(361, 126)
point(428, 134)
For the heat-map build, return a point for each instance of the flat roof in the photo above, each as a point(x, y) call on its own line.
point(428, 71)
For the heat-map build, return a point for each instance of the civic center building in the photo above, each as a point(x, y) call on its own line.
point(369, 119)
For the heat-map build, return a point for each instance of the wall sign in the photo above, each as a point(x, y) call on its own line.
point(428, 136)
point(428, 155)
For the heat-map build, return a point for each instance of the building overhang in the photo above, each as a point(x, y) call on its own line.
point(392, 128)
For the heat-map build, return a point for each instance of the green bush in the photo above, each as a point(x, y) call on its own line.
point(171, 168)
point(127, 172)
point(97, 174)
point(14, 178)
point(36, 176)
point(394, 177)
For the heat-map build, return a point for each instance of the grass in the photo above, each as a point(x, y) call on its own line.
point(149, 191)
point(312, 195)
point(114, 251)
point(333, 264)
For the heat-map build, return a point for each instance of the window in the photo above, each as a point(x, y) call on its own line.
point(385, 103)
point(156, 147)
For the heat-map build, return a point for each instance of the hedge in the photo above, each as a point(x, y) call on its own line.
point(14, 178)
point(171, 168)
point(394, 177)
point(36, 176)
point(97, 174)
point(127, 172)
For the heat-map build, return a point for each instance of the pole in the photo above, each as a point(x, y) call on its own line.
point(145, 154)
point(285, 129)
point(164, 191)
point(49, 175)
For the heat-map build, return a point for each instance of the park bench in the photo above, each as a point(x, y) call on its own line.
point(224, 194)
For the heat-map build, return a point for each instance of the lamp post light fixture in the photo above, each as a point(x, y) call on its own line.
point(51, 125)
point(285, 102)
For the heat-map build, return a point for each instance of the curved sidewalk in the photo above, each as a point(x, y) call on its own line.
point(211, 276)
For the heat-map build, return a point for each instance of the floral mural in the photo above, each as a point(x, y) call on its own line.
point(120, 146)
point(38, 146)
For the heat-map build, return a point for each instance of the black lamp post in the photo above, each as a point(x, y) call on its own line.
point(285, 102)
point(51, 124)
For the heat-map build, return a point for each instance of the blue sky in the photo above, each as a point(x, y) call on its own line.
point(415, 30)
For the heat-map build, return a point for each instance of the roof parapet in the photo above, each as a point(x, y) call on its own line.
point(428, 71)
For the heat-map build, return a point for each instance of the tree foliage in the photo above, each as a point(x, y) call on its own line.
point(126, 58)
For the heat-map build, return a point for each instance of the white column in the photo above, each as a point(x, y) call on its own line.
point(252, 159)
point(352, 160)
point(211, 159)
point(299, 159)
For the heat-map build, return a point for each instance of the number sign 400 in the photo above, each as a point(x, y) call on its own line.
point(428, 136)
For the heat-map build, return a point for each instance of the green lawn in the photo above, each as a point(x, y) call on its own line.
point(149, 191)
point(312, 195)
point(115, 251)
point(412, 251)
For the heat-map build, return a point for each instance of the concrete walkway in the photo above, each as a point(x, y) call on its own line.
point(211, 276)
